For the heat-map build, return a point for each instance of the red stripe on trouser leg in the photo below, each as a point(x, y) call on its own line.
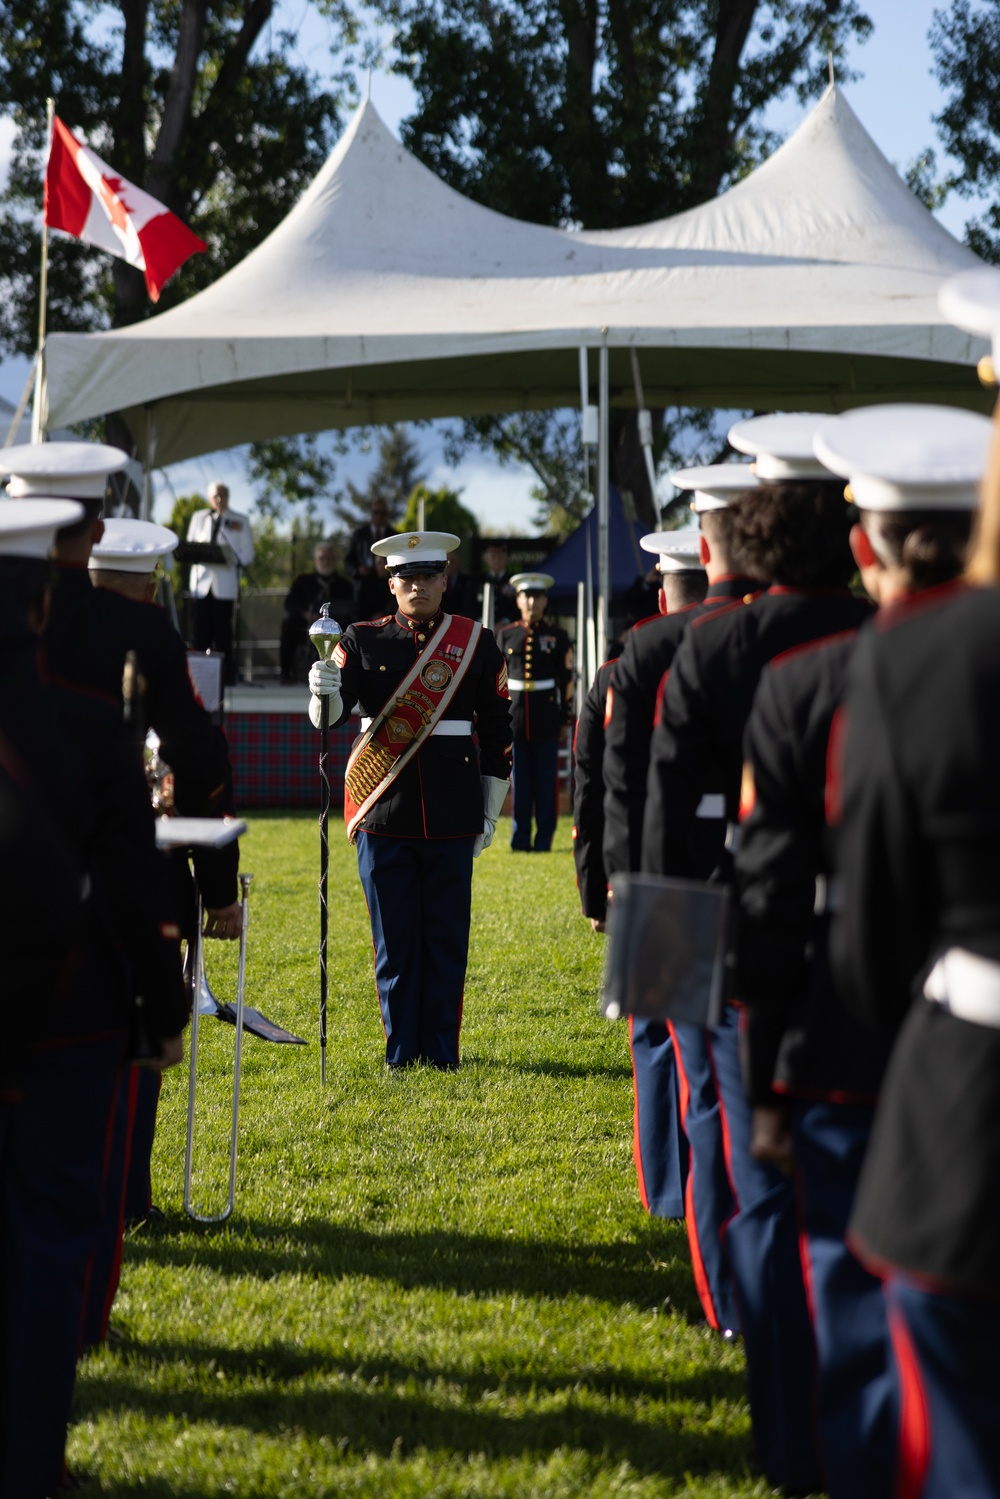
point(914, 1413)
point(116, 1268)
point(690, 1218)
point(636, 1143)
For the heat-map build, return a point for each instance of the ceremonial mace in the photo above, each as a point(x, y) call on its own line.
point(325, 635)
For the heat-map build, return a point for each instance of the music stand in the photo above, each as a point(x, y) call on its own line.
point(668, 943)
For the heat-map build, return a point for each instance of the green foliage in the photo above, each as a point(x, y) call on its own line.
point(606, 112)
point(288, 472)
point(391, 480)
point(185, 506)
point(443, 511)
point(433, 1284)
point(966, 43)
point(279, 555)
point(226, 133)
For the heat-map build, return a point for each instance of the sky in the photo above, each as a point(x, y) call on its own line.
point(896, 98)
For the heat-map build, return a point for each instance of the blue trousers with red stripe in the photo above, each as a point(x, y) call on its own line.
point(708, 1201)
point(947, 1382)
point(419, 894)
point(534, 790)
point(53, 1145)
point(762, 1238)
point(848, 1309)
point(659, 1147)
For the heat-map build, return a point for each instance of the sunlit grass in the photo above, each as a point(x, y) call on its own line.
point(433, 1283)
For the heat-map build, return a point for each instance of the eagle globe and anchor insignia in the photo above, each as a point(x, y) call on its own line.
point(436, 675)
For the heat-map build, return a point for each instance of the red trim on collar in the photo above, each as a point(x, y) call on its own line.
point(818, 593)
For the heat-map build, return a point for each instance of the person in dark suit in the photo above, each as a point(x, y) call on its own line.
point(422, 797)
point(76, 759)
point(915, 953)
point(372, 595)
point(495, 573)
point(307, 595)
point(793, 529)
point(539, 661)
point(813, 1069)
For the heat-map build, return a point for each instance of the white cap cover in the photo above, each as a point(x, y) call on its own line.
point(714, 484)
point(30, 530)
point(414, 548)
point(132, 546)
point(531, 582)
point(72, 470)
point(908, 457)
point(678, 551)
point(781, 444)
point(972, 302)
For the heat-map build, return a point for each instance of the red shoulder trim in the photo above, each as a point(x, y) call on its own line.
point(729, 606)
point(803, 649)
point(917, 603)
point(385, 620)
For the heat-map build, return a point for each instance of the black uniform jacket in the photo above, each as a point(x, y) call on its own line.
point(538, 653)
point(649, 650)
point(89, 633)
point(917, 858)
point(310, 591)
point(438, 793)
point(696, 756)
point(800, 1039)
point(588, 795)
point(68, 748)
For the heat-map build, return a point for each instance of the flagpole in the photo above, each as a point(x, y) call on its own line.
point(37, 429)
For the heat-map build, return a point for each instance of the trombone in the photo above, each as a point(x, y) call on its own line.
point(205, 1003)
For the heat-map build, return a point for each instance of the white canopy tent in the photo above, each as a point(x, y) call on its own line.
point(384, 295)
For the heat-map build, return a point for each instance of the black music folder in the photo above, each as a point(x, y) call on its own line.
point(208, 552)
point(667, 947)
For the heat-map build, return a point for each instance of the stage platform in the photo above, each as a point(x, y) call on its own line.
point(275, 749)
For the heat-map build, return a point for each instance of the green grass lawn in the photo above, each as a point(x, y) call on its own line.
point(433, 1283)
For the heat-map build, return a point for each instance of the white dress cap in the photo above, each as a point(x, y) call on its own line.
point(30, 530)
point(74, 470)
point(781, 445)
point(678, 551)
point(414, 548)
point(132, 546)
point(532, 582)
point(972, 302)
point(908, 457)
point(714, 484)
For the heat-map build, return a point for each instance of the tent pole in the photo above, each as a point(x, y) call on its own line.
point(582, 682)
point(603, 503)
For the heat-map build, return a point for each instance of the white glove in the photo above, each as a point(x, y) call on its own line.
point(494, 796)
point(324, 682)
point(324, 678)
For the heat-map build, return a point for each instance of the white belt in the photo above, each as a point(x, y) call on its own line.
point(829, 896)
point(539, 686)
point(712, 804)
point(967, 986)
point(455, 728)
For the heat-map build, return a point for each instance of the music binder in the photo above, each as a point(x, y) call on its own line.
point(211, 553)
point(668, 941)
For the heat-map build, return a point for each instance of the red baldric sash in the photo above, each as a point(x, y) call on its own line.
point(403, 723)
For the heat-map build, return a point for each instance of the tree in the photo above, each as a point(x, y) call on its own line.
point(197, 101)
point(965, 41)
point(392, 479)
point(602, 113)
point(443, 511)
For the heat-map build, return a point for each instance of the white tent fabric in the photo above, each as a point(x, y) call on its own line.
point(384, 295)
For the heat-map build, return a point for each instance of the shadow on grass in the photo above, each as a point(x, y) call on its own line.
point(467, 1264)
point(389, 1409)
point(546, 1069)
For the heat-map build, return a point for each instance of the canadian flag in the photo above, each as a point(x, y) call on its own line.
point(86, 198)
